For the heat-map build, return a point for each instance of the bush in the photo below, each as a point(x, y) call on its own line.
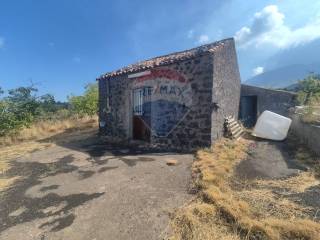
point(309, 90)
point(87, 104)
point(309, 97)
point(18, 109)
point(22, 107)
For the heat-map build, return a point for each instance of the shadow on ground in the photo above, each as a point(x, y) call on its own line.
point(58, 211)
point(97, 148)
point(16, 207)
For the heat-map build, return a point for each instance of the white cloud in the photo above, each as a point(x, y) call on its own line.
point(203, 39)
point(51, 44)
point(76, 59)
point(1, 42)
point(191, 33)
point(268, 28)
point(258, 70)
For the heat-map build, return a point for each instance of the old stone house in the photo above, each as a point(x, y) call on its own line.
point(176, 100)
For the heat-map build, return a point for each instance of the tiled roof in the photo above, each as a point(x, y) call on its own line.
point(167, 59)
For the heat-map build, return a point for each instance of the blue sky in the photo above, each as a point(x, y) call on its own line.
point(61, 45)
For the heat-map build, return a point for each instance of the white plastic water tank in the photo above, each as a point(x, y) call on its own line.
point(272, 126)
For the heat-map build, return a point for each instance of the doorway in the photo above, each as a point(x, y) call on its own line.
point(141, 115)
point(248, 110)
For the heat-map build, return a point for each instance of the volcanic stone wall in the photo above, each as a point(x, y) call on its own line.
point(194, 128)
point(225, 88)
point(114, 105)
point(307, 133)
point(273, 100)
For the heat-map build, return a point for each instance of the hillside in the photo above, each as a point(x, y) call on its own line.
point(283, 77)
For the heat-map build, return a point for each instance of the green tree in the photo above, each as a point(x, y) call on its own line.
point(22, 106)
point(309, 96)
point(47, 104)
point(6, 121)
point(22, 103)
point(17, 109)
point(309, 90)
point(86, 104)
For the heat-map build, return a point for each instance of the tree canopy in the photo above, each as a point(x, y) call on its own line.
point(22, 106)
point(86, 104)
point(309, 90)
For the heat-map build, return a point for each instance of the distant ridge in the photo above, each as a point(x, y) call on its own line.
point(283, 77)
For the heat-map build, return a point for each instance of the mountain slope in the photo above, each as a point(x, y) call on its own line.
point(283, 77)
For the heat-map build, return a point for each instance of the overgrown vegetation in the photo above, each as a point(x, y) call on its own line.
point(230, 208)
point(309, 90)
point(309, 97)
point(21, 107)
point(87, 104)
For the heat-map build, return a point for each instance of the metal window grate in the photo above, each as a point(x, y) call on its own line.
point(141, 96)
point(138, 101)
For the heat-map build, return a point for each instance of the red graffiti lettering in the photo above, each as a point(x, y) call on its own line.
point(162, 73)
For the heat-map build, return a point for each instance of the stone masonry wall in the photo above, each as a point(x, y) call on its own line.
point(194, 126)
point(308, 134)
point(103, 109)
point(273, 100)
point(225, 89)
point(114, 97)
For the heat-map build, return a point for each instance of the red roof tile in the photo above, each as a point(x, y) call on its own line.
point(167, 59)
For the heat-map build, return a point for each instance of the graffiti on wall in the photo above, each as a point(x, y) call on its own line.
point(163, 99)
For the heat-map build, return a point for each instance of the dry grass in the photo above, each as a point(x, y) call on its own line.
point(46, 129)
point(18, 150)
point(202, 221)
point(229, 209)
point(6, 182)
point(311, 114)
point(40, 136)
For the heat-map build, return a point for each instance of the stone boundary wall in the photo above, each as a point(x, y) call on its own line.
point(268, 99)
point(307, 133)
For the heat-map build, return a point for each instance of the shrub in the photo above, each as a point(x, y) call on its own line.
point(23, 107)
point(86, 104)
point(309, 96)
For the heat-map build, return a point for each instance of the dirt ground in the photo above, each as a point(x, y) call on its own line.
point(269, 160)
point(280, 160)
point(88, 190)
point(252, 189)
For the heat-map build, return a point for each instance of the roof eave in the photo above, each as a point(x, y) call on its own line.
point(119, 72)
